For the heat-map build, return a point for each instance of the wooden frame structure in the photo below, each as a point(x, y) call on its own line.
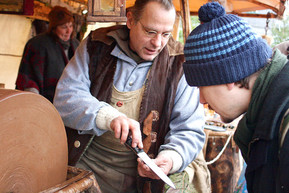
point(21, 7)
point(106, 11)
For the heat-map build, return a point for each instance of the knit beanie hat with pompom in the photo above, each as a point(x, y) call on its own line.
point(222, 49)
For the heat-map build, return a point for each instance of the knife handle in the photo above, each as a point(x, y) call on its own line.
point(128, 143)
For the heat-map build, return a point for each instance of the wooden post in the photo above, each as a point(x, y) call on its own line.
point(186, 19)
point(175, 32)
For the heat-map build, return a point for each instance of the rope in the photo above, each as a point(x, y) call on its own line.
point(221, 152)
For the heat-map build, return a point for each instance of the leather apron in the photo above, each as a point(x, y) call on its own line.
point(114, 165)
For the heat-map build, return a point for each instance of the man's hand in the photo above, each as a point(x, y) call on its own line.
point(123, 126)
point(163, 162)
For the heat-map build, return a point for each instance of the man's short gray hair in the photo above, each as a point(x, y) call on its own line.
point(139, 6)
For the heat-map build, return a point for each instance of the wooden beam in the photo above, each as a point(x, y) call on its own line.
point(271, 15)
point(279, 11)
point(175, 32)
point(186, 18)
point(264, 5)
point(193, 13)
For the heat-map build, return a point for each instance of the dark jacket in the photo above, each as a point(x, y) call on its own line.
point(268, 165)
point(42, 64)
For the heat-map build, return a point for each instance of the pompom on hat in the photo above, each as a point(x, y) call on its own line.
point(210, 11)
point(223, 49)
point(58, 16)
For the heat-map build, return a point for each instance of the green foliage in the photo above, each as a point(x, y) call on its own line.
point(194, 23)
point(280, 30)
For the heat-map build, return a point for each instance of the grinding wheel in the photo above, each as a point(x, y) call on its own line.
point(33, 145)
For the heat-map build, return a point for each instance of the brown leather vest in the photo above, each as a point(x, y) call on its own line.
point(159, 94)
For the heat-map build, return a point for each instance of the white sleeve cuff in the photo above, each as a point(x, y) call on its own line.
point(176, 158)
point(105, 115)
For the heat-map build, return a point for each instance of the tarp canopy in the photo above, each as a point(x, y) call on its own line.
point(243, 8)
point(246, 8)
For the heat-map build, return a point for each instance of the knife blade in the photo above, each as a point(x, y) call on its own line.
point(147, 160)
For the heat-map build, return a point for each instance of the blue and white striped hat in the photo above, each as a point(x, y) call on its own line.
point(222, 49)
